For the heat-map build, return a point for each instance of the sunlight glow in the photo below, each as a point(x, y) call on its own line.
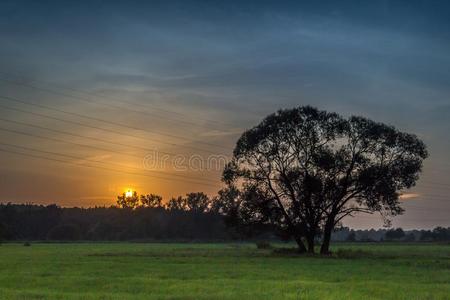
point(407, 196)
point(128, 193)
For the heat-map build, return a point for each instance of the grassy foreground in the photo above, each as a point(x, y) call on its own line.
point(221, 271)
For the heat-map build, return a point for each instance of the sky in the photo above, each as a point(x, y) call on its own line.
point(93, 93)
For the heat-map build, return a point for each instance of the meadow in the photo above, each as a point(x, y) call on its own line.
point(222, 271)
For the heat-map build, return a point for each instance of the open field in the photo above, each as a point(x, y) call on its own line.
point(221, 271)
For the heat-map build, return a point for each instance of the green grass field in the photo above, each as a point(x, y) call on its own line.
point(222, 271)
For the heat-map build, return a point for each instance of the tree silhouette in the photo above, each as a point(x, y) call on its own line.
point(197, 202)
point(351, 237)
point(128, 202)
point(178, 203)
point(303, 170)
point(395, 234)
point(441, 234)
point(151, 200)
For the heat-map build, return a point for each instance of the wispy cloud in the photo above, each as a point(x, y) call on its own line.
point(218, 133)
point(408, 196)
point(93, 158)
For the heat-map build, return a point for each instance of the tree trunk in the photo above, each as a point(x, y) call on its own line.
point(325, 248)
point(310, 245)
point(301, 246)
point(310, 240)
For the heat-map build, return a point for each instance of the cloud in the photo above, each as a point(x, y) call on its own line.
point(220, 133)
point(408, 196)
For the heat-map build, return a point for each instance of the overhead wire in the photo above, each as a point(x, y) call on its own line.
point(101, 128)
point(104, 168)
point(12, 99)
point(96, 161)
point(121, 101)
point(96, 139)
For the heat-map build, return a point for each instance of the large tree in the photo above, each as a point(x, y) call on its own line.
point(303, 170)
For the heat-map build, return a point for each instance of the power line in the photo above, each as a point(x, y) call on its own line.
point(101, 128)
point(426, 207)
point(74, 122)
point(100, 167)
point(77, 144)
point(425, 195)
point(87, 137)
point(68, 142)
point(122, 165)
point(423, 186)
point(435, 199)
point(122, 101)
point(422, 195)
point(110, 150)
point(96, 161)
point(108, 122)
point(98, 103)
point(432, 183)
point(119, 108)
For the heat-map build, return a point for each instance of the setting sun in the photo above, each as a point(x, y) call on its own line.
point(128, 193)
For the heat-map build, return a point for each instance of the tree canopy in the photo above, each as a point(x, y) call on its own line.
point(303, 170)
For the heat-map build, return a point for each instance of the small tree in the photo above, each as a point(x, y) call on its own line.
point(151, 200)
point(128, 202)
point(303, 170)
point(441, 234)
point(178, 203)
point(197, 202)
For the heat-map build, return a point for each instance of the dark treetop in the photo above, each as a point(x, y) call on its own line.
point(303, 170)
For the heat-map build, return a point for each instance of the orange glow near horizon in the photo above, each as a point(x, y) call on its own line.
point(128, 193)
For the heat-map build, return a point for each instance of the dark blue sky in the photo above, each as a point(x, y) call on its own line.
point(230, 61)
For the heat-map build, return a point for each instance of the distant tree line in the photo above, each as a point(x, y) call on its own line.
point(142, 217)
point(190, 218)
point(438, 234)
point(193, 202)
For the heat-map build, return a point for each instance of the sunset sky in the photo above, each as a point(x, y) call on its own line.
point(90, 93)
